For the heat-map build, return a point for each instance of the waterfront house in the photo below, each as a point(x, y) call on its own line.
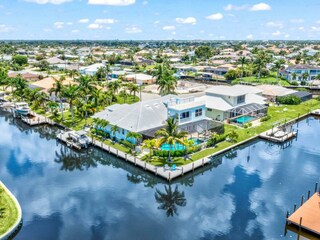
point(300, 72)
point(224, 102)
point(147, 117)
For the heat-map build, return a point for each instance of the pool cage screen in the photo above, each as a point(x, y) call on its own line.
point(253, 109)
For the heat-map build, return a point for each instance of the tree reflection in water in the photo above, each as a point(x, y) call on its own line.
point(170, 200)
point(71, 160)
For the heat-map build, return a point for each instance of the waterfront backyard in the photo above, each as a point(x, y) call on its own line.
point(242, 194)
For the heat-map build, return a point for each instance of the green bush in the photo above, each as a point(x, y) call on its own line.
point(265, 118)
point(215, 138)
point(294, 83)
point(289, 100)
point(127, 144)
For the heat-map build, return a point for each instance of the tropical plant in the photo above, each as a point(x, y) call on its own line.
point(70, 93)
point(171, 135)
point(135, 136)
point(114, 130)
point(57, 89)
point(149, 144)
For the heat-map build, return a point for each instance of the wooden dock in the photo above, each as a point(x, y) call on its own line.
point(37, 119)
point(307, 217)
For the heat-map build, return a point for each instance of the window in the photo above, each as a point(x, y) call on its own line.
point(122, 131)
point(199, 112)
point(209, 109)
point(184, 115)
point(241, 99)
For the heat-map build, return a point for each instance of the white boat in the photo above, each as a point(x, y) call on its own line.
point(21, 108)
point(80, 137)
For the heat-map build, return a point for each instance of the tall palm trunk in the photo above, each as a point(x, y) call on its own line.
point(61, 109)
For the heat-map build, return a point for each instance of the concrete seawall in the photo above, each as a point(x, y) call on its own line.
point(12, 231)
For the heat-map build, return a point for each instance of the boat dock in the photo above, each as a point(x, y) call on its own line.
point(64, 137)
point(307, 217)
point(283, 137)
point(36, 119)
point(316, 112)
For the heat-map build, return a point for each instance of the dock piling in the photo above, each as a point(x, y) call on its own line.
point(308, 194)
point(294, 207)
point(302, 200)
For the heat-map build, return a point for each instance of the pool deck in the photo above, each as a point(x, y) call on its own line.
point(307, 217)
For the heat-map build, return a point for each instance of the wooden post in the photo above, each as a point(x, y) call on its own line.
point(202, 162)
point(308, 194)
point(135, 161)
point(302, 200)
point(287, 215)
point(300, 223)
point(193, 166)
point(294, 207)
point(316, 187)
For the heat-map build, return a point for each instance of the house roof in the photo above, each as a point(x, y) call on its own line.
point(303, 67)
point(139, 77)
point(137, 117)
point(217, 103)
point(274, 90)
point(234, 91)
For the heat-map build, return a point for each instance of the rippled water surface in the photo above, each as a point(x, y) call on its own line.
point(244, 194)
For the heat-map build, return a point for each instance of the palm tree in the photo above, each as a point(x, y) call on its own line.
point(243, 60)
point(114, 86)
point(149, 144)
point(170, 200)
point(123, 93)
point(57, 89)
point(305, 76)
point(134, 135)
point(167, 85)
point(171, 135)
point(52, 105)
point(73, 73)
point(294, 76)
point(133, 88)
point(114, 130)
point(70, 93)
point(3, 77)
point(278, 65)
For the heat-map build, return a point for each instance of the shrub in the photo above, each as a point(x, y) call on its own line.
point(294, 83)
point(127, 144)
point(265, 118)
point(215, 138)
point(289, 100)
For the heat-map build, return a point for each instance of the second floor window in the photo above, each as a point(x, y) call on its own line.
point(184, 115)
point(199, 112)
point(241, 99)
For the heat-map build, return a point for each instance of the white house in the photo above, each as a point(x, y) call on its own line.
point(140, 78)
point(92, 69)
point(223, 102)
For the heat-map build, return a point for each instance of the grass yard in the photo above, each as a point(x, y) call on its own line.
point(8, 211)
point(278, 114)
point(262, 80)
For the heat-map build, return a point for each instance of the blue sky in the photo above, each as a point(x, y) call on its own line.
point(159, 19)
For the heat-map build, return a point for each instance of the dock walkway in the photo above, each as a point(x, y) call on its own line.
point(307, 217)
point(37, 120)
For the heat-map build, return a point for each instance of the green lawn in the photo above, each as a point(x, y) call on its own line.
point(8, 211)
point(129, 99)
point(277, 113)
point(262, 80)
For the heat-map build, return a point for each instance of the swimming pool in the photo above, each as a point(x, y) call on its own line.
point(243, 119)
point(178, 146)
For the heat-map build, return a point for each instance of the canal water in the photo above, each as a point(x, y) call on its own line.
point(243, 194)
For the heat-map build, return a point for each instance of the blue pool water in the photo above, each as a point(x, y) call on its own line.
point(242, 195)
point(178, 146)
point(243, 119)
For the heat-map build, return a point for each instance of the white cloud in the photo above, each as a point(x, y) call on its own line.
point(297, 20)
point(250, 37)
point(75, 31)
point(94, 26)
point(231, 7)
point(69, 23)
point(84, 20)
point(260, 7)
point(144, 2)
point(48, 1)
point(287, 35)
point(277, 33)
point(4, 28)
point(215, 16)
point(169, 28)
point(156, 22)
point(301, 28)
point(58, 24)
point(133, 30)
point(274, 24)
point(112, 2)
point(188, 20)
point(315, 29)
point(105, 21)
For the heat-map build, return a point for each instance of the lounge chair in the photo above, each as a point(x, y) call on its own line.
point(173, 167)
point(166, 167)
